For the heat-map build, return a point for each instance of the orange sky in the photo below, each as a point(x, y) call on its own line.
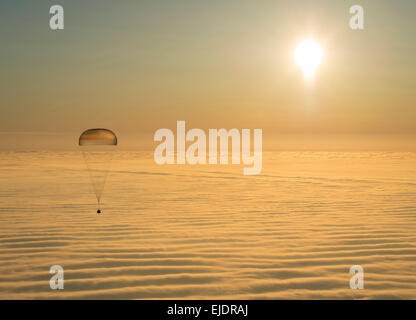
point(138, 67)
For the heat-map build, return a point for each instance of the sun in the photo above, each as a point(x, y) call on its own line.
point(308, 56)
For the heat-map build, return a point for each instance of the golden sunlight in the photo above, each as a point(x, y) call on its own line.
point(308, 56)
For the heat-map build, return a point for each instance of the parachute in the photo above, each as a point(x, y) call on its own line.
point(98, 147)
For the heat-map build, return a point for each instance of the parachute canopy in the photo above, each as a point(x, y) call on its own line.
point(98, 137)
point(98, 147)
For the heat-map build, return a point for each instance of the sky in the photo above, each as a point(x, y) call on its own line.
point(137, 66)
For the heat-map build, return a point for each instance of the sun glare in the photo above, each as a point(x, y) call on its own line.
point(308, 56)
